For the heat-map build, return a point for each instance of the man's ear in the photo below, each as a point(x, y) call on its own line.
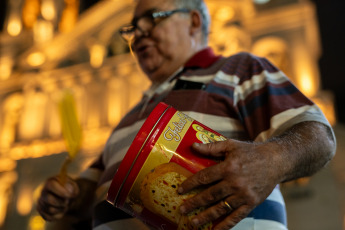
point(196, 22)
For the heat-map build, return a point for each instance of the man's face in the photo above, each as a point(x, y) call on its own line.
point(167, 45)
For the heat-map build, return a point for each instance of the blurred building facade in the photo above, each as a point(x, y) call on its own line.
point(48, 46)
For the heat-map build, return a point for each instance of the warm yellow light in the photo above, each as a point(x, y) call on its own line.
point(48, 10)
point(94, 140)
point(39, 149)
point(31, 10)
point(30, 151)
point(36, 59)
point(7, 164)
point(85, 77)
point(68, 81)
point(306, 73)
point(7, 135)
point(18, 153)
point(3, 207)
point(225, 13)
point(36, 223)
point(11, 109)
point(43, 31)
point(307, 85)
point(14, 26)
point(115, 100)
point(97, 53)
point(69, 16)
point(68, 21)
point(24, 202)
point(93, 120)
point(326, 104)
point(6, 64)
point(32, 117)
point(6, 181)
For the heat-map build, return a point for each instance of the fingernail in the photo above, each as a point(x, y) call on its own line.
point(183, 209)
point(195, 221)
point(69, 188)
point(196, 144)
point(180, 190)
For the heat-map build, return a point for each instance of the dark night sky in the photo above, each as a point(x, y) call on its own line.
point(332, 62)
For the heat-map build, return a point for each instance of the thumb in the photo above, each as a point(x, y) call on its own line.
point(214, 149)
point(70, 186)
point(73, 188)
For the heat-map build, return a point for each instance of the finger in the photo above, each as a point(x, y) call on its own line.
point(68, 190)
point(49, 212)
point(53, 200)
point(220, 209)
point(234, 218)
point(214, 149)
point(213, 213)
point(50, 217)
point(207, 197)
point(203, 177)
point(52, 204)
point(43, 214)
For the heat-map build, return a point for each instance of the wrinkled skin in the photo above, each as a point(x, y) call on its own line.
point(249, 172)
point(56, 198)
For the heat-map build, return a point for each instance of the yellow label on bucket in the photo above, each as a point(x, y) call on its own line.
point(162, 151)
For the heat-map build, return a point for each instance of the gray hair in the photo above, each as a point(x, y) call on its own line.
point(200, 6)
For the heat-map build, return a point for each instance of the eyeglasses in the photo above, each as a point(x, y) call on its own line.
point(149, 20)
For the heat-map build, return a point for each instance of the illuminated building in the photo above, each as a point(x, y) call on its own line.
point(48, 46)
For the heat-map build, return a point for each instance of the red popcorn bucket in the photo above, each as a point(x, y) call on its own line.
point(158, 161)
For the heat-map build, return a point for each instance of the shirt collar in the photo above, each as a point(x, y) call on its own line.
point(202, 59)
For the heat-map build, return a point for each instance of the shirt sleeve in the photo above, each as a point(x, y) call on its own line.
point(267, 102)
point(94, 171)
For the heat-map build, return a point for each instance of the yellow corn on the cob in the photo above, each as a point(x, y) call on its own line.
point(71, 128)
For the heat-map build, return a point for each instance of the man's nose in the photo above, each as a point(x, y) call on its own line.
point(141, 30)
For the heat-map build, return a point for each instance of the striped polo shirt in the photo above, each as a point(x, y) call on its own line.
point(243, 97)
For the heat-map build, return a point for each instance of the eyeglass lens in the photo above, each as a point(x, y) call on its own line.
point(145, 23)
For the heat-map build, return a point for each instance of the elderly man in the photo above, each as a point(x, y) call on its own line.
point(275, 134)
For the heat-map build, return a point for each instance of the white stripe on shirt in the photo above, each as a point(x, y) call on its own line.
point(216, 122)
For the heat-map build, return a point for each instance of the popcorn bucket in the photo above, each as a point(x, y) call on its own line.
point(158, 161)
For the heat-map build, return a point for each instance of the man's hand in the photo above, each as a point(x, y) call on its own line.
point(56, 198)
point(250, 171)
point(235, 186)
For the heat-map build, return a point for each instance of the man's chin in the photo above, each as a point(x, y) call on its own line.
point(154, 74)
point(148, 66)
point(154, 69)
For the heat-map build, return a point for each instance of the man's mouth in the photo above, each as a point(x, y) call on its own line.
point(142, 49)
